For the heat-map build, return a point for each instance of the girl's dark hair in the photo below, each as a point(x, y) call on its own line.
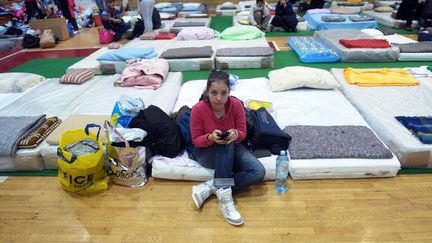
point(216, 75)
point(258, 1)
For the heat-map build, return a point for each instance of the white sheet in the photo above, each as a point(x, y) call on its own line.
point(379, 106)
point(296, 107)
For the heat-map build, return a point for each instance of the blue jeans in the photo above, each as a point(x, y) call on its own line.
point(234, 165)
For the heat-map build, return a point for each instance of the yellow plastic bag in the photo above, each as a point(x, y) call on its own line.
point(82, 173)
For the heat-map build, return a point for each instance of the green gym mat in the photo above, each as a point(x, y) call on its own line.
point(49, 68)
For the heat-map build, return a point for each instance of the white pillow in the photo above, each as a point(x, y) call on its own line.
point(227, 4)
point(297, 77)
point(18, 82)
point(372, 32)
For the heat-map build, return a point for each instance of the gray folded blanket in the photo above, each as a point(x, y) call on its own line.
point(14, 129)
point(188, 24)
point(330, 142)
point(361, 18)
point(188, 52)
point(330, 18)
point(418, 47)
point(228, 8)
point(245, 52)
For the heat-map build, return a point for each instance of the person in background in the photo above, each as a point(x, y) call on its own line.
point(31, 8)
point(259, 16)
point(410, 10)
point(66, 7)
point(218, 126)
point(112, 20)
point(146, 12)
point(285, 16)
point(139, 25)
point(311, 4)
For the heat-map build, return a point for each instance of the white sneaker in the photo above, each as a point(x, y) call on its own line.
point(227, 207)
point(201, 192)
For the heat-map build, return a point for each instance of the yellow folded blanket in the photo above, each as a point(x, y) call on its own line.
point(379, 77)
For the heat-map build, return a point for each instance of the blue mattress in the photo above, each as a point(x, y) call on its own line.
point(312, 50)
point(315, 22)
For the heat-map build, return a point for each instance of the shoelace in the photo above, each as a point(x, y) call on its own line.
point(228, 206)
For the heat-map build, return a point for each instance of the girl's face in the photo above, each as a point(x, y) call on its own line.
point(282, 2)
point(218, 94)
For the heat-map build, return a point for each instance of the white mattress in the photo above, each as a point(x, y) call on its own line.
point(379, 106)
point(326, 108)
point(227, 12)
point(332, 37)
point(403, 56)
point(90, 61)
point(25, 160)
point(385, 18)
point(104, 95)
point(51, 98)
point(189, 94)
point(357, 9)
point(297, 107)
point(169, 24)
point(245, 5)
point(243, 62)
point(191, 64)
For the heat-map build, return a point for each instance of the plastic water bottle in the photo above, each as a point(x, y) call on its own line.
point(282, 170)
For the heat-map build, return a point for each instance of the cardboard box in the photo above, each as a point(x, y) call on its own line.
point(58, 26)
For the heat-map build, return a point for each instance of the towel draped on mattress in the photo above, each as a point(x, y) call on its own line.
point(329, 142)
point(379, 77)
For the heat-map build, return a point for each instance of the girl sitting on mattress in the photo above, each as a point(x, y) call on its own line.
point(218, 126)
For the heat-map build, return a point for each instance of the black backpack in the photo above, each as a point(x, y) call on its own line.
point(163, 134)
point(266, 133)
point(31, 41)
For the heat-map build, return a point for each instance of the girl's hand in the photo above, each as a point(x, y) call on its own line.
point(233, 135)
point(215, 137)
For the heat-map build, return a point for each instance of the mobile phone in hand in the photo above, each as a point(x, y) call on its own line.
point(223, 135)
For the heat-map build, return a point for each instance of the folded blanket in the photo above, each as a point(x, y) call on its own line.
point(188, 52)
point(38, 136)
point(421, 127)
point(330, 142)
point(15, 129)
point(418, 47)
point(365, 43)
point(336, 18)
point(361, 18)
point(188, 24)
point(245, 52)
point(145, 73)
point(228, 7)
point(379, 77)
point(124, 54)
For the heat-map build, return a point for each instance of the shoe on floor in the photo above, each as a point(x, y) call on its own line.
point(227, 207)
point(201, 192)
